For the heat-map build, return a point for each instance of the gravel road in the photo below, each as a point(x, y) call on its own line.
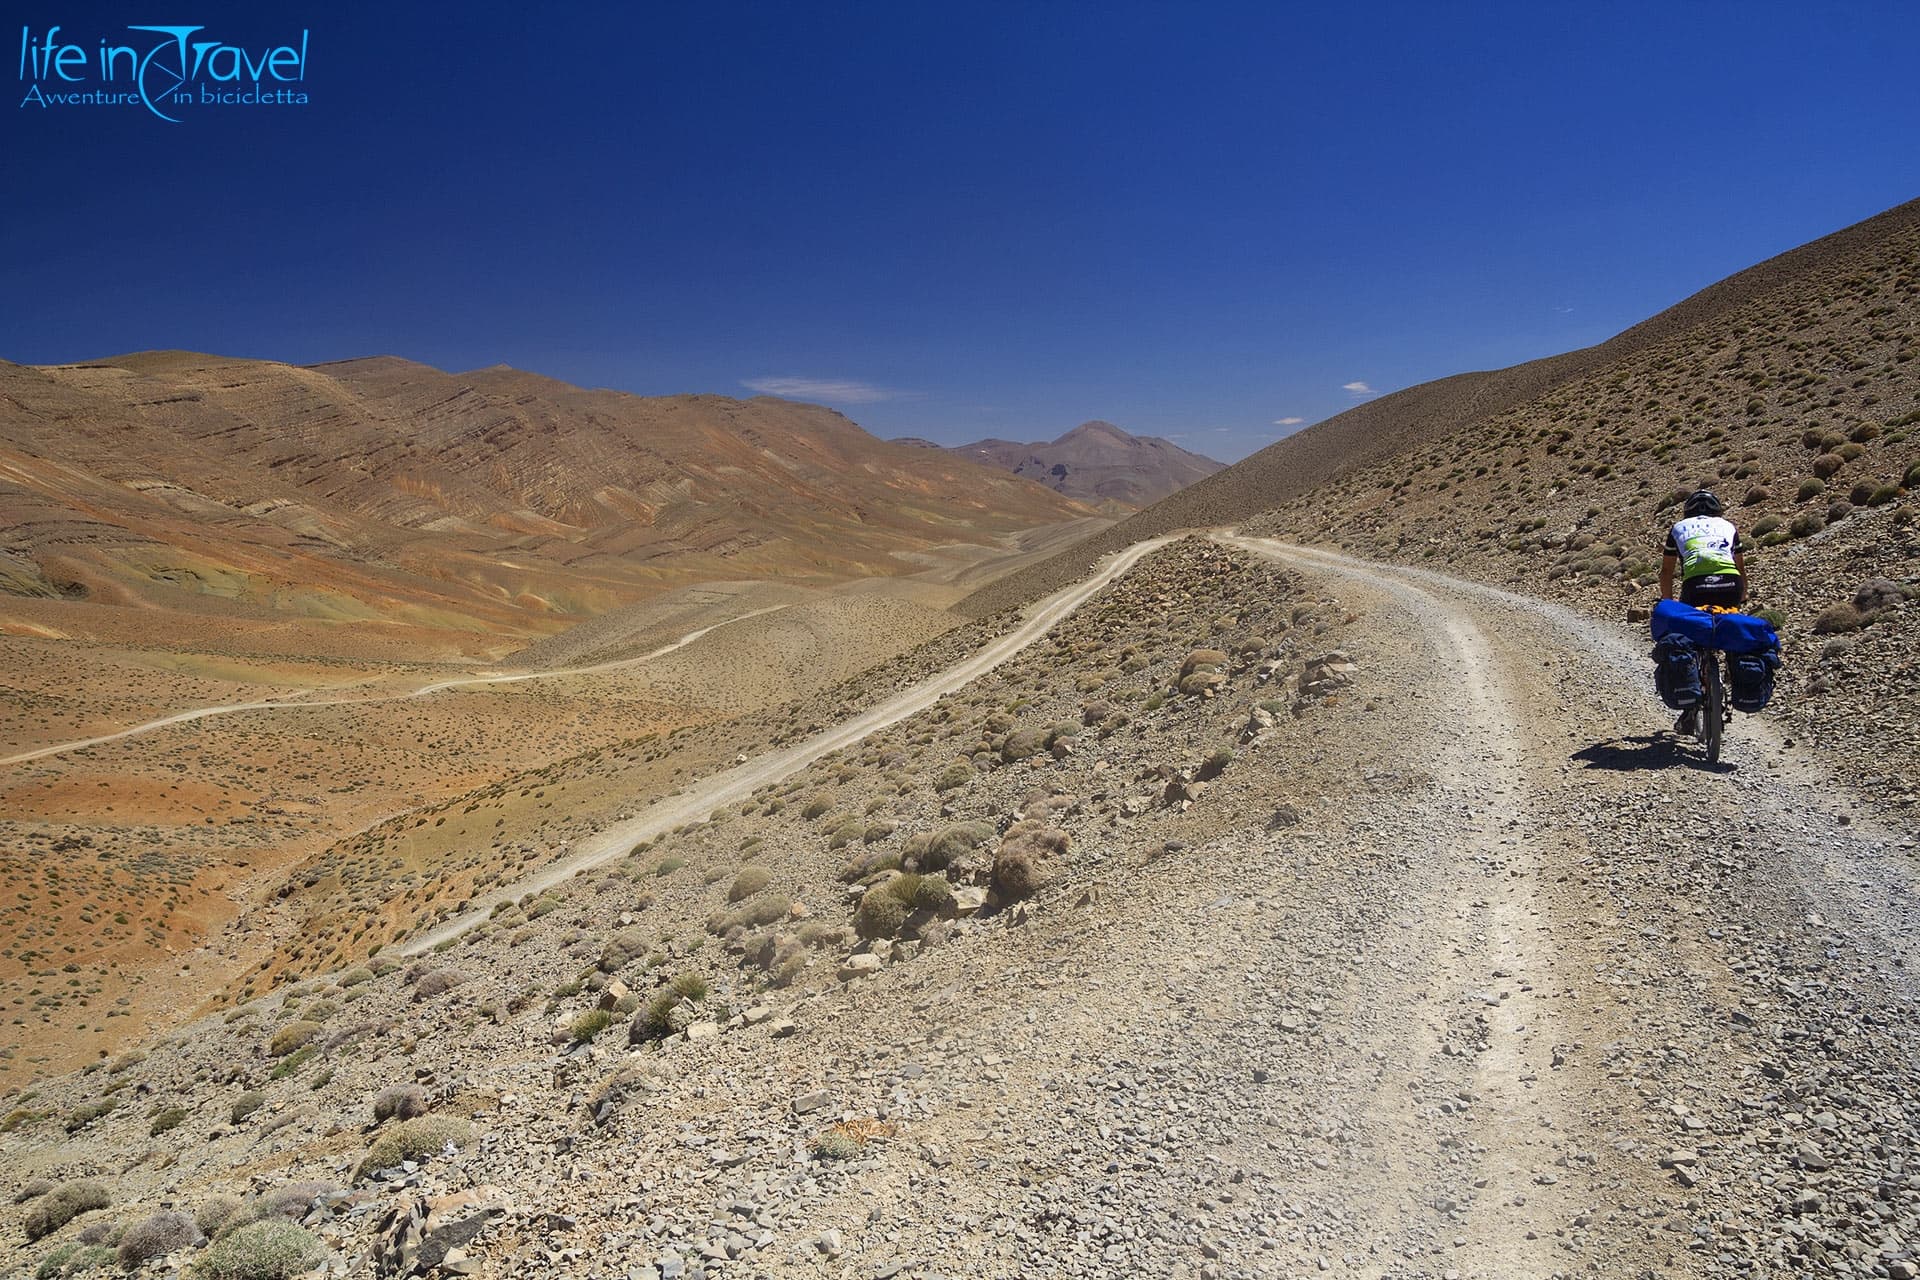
point(1554, 998)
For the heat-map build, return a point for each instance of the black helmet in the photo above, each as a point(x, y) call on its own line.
point(1703, 503)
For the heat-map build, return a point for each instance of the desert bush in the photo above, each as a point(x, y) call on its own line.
point(32, 1190)
point(1023, 744)
point(954, 775)
point(291, 1037)
point(1810, 488)
point(1806, 525)
point(171, 1118)
point(1838, 618)
point(1826, 464)
point(589, 1024)
point(415, 1139)
point(1875, 594)
point(438, 982)
point(943, 847)
point(880, 914)
point(1756, 495)
point(750, 881)
point(1851, 452)
point(867, 861)
point(293, 1062)
point(399, 1102)
point(765, 910)
point(655, 1020)
point(82, 1116)
point(1838, 511)
point(1203, 660)
point(273, 1249)
point(875, 832)
point(213, 1214)
point(622, 950)
point(289, 1203)
point(1023, 863)
point(60, 1206)
point(168, 1231)
point(1882, 495)
point(1911, 480)
point(74, 1259)
point(1766, 526)
point(354, 977)
point(245, 1105)
point(1865, 432)
point(816, 806)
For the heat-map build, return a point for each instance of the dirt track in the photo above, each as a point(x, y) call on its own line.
point(1556, 998)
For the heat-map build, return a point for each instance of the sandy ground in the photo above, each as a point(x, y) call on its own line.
point(192, 783)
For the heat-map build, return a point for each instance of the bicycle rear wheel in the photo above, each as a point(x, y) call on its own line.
point(1713, 705)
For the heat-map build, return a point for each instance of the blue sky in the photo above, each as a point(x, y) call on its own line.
point(1198, 220)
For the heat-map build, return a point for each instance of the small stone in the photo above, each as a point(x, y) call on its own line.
point(810, 1102)
point(859, 966)
point(702, 1030)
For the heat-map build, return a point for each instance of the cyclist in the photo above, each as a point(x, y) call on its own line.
point(1711, 559)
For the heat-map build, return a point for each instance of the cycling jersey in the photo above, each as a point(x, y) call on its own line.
point(1705, 545)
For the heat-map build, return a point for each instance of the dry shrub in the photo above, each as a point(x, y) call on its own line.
point(168, 1231)
point(939, 850)
point(1875, 594)
point(1026, 860)
point(439, 982)
point(880, 914)
point(750, 881)
point(57, 1208)
point(1838, 618)
point(766, 910)
point(214, 1214)
point(272, 1250)
point(415, 1139)
point(622, 950)
point(291, 1037)
point(399, 1102)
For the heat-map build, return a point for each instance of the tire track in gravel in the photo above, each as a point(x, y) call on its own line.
point(1479, 964)
point(1736, 947)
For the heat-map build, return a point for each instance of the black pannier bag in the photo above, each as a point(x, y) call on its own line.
point(1676, 673)
point(1750, 679)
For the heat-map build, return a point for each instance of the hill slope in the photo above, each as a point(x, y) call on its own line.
point(494, 502)
point(1097, 462)
point(1852, 290)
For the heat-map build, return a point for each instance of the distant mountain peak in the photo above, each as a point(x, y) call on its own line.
point(1098, 462)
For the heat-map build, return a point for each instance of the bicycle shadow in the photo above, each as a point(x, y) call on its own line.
point(1662, 750)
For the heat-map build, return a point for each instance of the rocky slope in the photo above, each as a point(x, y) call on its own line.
point(1096, 463)
point(1246, 927)
point(1792, 389)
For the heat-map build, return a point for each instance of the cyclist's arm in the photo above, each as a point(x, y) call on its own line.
point(1667, 563)
point(1740, 567)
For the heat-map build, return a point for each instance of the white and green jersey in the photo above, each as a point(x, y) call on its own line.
point(1706, 545)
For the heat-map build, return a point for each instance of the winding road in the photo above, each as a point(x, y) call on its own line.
point(438, 686)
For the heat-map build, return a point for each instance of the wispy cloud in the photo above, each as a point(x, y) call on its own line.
point(829, 390)
point(1288, 422)
point(1357, 388)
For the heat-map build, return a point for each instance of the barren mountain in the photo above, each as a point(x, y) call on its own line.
point(1096, 462)
point(1818, 335)
point(1252, 909)
point(461, 512)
